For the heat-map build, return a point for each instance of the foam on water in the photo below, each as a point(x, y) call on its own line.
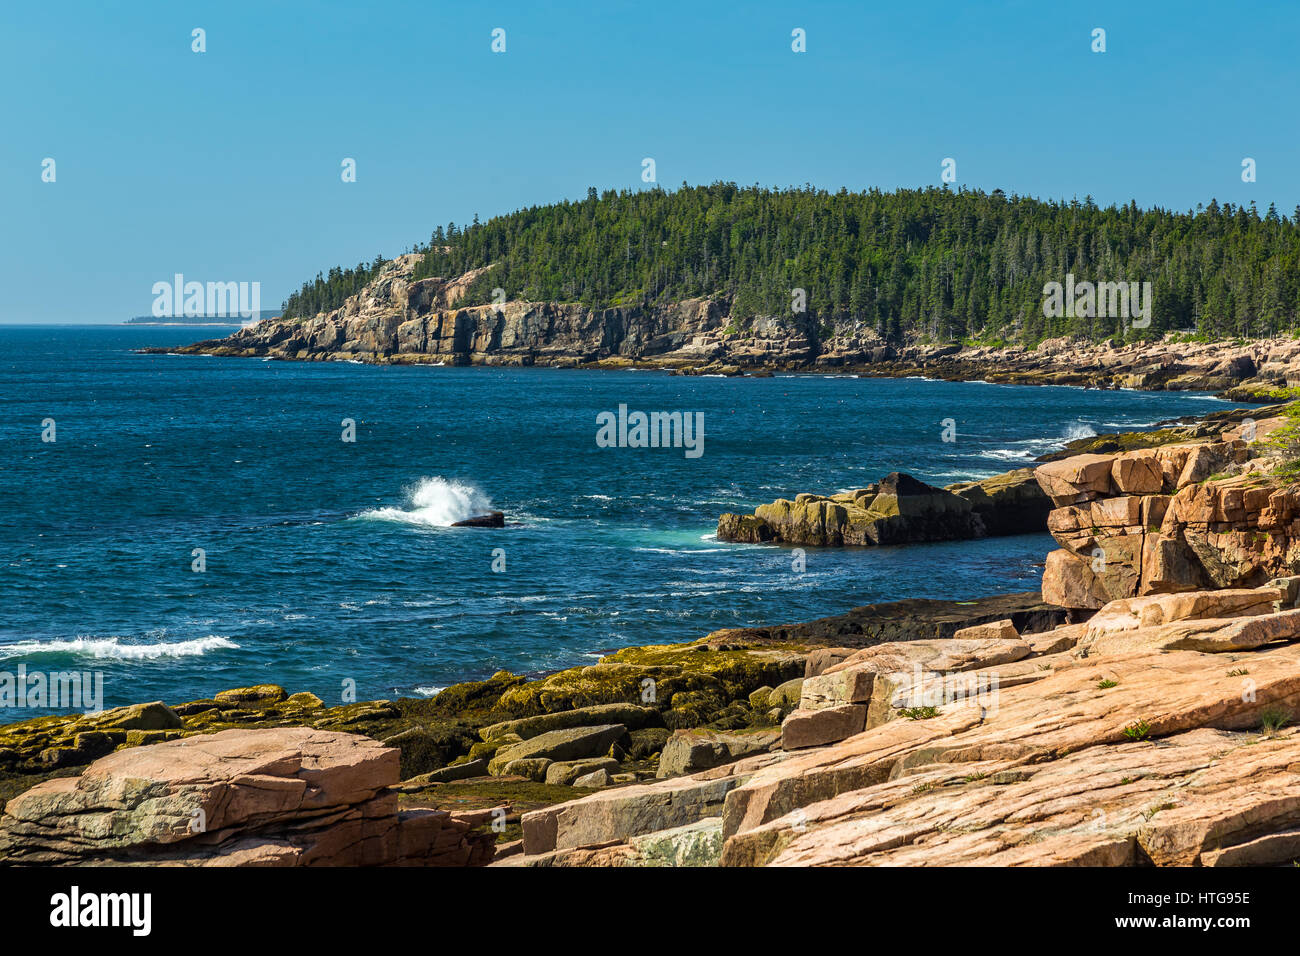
point(435, 503)
point(102, 648)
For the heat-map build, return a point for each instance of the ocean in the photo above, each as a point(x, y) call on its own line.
point(328, 564)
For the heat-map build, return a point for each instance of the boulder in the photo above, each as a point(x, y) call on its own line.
point(631, 716)
point(1003, 630)
point(786, 695)
point(569, 744)
point(953, 654)
point(565, 772)
point(261, 694)
point(288, 796)
point(593, 780)
point(616, 815)
point(456, 771)
point(815, 728)
point(1138, 473)
point(820, 658)
point(530, 768)
point(688, 751)
point(1072, 480)
point(844, 685)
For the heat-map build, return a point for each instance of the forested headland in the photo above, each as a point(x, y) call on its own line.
point(937, 264)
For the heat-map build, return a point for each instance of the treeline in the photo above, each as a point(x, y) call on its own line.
point(947, 264)
point(329, 291)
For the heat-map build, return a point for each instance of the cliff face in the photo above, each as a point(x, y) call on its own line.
point(396, 319)
point(1169, 519)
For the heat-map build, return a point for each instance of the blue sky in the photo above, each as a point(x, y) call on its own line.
point(225, 165)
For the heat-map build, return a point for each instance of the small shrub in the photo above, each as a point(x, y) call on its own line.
point(1273, 719)
point(1138, 730)
point(919, 713)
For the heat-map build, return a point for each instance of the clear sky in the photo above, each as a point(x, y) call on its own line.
point(225, 165)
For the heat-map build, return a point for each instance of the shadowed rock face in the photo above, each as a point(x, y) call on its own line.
point(898, 510)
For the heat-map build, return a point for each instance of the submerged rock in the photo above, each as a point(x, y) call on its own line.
point(493, 519)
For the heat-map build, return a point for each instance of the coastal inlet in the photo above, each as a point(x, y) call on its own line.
point(327, 561)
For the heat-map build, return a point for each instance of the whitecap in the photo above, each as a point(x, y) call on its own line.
point(111, 648)
point(435, 503)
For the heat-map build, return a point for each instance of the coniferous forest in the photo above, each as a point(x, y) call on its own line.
point(936, 263)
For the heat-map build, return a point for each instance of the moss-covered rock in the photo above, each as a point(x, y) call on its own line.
point(428, 748)
point(646, 743)
point(487, 748)
point(260, 694)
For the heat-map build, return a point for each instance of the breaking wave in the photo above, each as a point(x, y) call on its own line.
point(111, 648)
point(1031, 448)
point(435, 503)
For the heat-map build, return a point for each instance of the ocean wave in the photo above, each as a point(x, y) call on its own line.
point(1031, 448)
point(1009, 454)
point(111, 648)
point(429, 691)
point(681, 550)
point(435, 503)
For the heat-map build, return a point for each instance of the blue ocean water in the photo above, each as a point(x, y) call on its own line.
point(327, 561)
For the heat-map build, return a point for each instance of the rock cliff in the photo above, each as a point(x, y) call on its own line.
point(399, 319)
point(1171, 518)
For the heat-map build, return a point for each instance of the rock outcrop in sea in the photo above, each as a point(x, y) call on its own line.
point(899, 509)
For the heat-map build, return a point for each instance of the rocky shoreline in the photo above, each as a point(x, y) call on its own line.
point(1124, 705)
point(397, 319)
point(482, 752)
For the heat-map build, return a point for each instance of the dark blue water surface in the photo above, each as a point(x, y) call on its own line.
point(325, 561)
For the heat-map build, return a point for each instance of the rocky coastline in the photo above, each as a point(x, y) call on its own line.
point(397, 319)
point(1109, 720)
